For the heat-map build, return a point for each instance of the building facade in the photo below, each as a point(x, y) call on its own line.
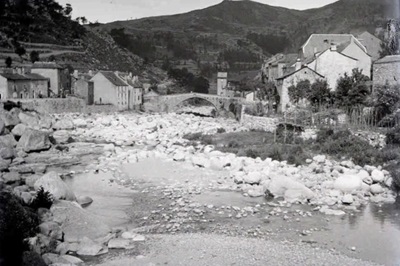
point(23, 86)
point(60, 80)
point(387, 71)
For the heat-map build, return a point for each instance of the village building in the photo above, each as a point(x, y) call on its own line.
point(111, 88)
point(82, 87)
point(387, 71)
point(277, 66)
point(60, 81)
point(332, 64)
point(23, 86)
point(372, 43)
point(345, 44)
point(291, 79)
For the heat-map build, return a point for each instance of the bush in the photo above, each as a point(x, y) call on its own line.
point(252, 153)
point(43, 199)
point(275, 153)
point(296, 155)
point(193, 136)
point(393, 136)
point(394, 170)
point(221, 130)
point(233, 144)
point(32, 259)
point(16, 224)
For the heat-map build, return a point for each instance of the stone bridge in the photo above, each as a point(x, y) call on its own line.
point(170, 103)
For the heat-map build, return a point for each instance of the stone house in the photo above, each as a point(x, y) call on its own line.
point(332, 64)
point(60, 80)
point(82, 87)
point(387, 70)
point(23, 86)
point(277, 66)
point(291, 79)
point(116, 89)
point(346, 44)
point(371, 43)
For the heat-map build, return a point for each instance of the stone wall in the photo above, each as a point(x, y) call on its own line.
point(259, 123)
point(63, 105)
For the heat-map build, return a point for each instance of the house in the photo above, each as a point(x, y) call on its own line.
point(82, 86)
point(60, 81)
point(291, 79)
point(372, 43)
point(387, 70)
point(346, 44)
point(23, 86)
point(117, 89)
point(277, 65)
point(150, 95)
point(332, 64)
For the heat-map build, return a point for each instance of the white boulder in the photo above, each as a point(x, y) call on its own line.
point(347, 183)
point(377, 176)
point(52, 183)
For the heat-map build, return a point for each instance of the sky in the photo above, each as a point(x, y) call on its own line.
point(112, 10)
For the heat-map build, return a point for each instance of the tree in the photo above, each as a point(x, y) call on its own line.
point(34, 56)
point(8, 62)
point(320, 93)
point(267, 90)
point(386, 100)
point(52, 58)
point(20, 51)
point(391, 44)
point(300, 91)
point(68, 10)
point(352, 91)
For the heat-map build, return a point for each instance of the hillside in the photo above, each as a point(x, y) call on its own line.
point(46, 27)
point(242, 33)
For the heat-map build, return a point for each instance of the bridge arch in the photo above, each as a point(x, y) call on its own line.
point(175, 103)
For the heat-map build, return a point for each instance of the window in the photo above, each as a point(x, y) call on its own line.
point(0, 96)
point(21, 95)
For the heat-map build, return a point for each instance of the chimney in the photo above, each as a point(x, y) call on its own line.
point(333, 47)
point(298, 64)
point(76, 73)
point(91, 73)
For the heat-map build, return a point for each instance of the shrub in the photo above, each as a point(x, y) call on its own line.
point(32, 259)
point(233, 144)
point(221, 130)
point(323, 134)
point(394, 170)
point(393, 136)
point(296, 155)
point(275, 153)
point(16, 224)
point(252, 153)
point(193, 136)
point(43, 199)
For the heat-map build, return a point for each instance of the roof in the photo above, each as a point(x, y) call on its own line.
point(113, 78)
point(321, 42)
point(311, 59)
point(388, 59)
point(295, 71)
point(27, 77)
point(282, 58)
point(135, 84)
point(46, 65)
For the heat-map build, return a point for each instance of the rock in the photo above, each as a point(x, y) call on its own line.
point(120, 243)
point(2, 126)
point(363, 174)
point(4, 164)
point(77, 222)
point(7, 153)
point(217, 164)
point(327, 211)
point(80, 123)
point(33, 168)
point(10, 118)
point(52, 183)
point(88, 247)
point(51, 229)
point(31, 180)
point(109, 147)
point(34, 140)
point(253, 178)
point(11, 177)
point(26, 197)
point(347, 199)
point(19, 130)
point(319, 158)
point(348, 164)
point(297, 191)
point(377, 176)
point(61, 136)
point(52, 258)
point(376, 189)
point(347, 183)
point(84, 201)
point(64, 124)
point(256, 191)
point(29, 119)
point(45, 122)
point(179, 156)
point(133, 236)
point(8, 141)
point(201, 161)
point(72, 259)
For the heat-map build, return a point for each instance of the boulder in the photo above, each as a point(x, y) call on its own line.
point(2, 126)
point(179, 156)
point(286, 187)
point(4, 164)
point(8, 141)
point(84, 201)
point(376, 189)
point(10, 119)
point(253, 178)
point(45, 122)
point(76, 222)
point(80, 123)
point(201, 161)
point(31, 180)
point(29, 119)
point(51, 229)
point(256, 191)
point(216, 164)
point(88, 247)
point(133, 236)
point(61, 136)
point(34, 140)
point(19, 130)
point(348, 183)
point(377, 176)
point(11, 177)
point(64, 124)
point(347, 199)
point(7, 153)
point(319, 158)
point(327, 211)
point(52, 183)
point(26, 197)
point(120, 243)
